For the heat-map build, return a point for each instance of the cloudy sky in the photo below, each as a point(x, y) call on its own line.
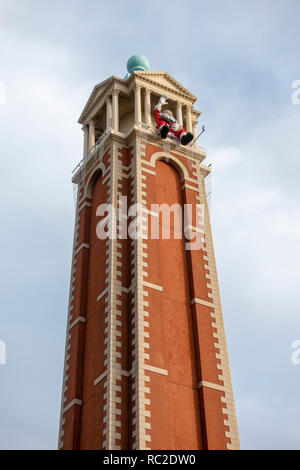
point(240, 59)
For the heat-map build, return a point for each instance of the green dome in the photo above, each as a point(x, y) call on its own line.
point(137, 62)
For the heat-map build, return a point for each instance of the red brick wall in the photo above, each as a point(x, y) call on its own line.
point(180, 335)
point(175, 413)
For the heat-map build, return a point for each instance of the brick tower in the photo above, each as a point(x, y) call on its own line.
point(146, 364)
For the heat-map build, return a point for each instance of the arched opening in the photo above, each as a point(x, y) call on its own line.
point(175, 410)
point(93, 358)
point(173, 161)
point(95, 175)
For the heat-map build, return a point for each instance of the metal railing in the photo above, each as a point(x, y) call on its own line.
point(91, 152)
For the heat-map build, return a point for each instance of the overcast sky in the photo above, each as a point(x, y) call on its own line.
point(239, 59)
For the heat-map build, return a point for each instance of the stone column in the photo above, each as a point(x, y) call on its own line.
point(147, 106)
point(188, 118)
point(85, 129)
point(91, 133)
point(179, 114)
point(137, 105)
point(115, 110)
point(108, 113)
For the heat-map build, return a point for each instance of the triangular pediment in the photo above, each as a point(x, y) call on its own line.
point(158, 82)
point(97, 91)
point(165, 81)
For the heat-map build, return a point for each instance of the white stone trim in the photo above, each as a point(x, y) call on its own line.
point(113, 318)
point(103, 293)
point(220, 344)
point(188, 186)
point(152, 286)
point(162, 156)
point(106, 178)
point(150, 172)
point(70, 308)
point(78, 319)
point(139, 311)
point(196, 300)
point(157, 370)
point(85, 204)
point(76, 401)
point(204, 383)
point(83, 245)
point(101, 377)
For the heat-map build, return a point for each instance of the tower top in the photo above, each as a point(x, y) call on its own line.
point(137, 62)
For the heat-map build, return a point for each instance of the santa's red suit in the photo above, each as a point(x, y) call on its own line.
point(166, 123)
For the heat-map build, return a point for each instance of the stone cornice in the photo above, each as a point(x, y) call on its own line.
point(179, 89)
point(197, 155)
point(159, 88)
point(92, 98)
point(95, 102)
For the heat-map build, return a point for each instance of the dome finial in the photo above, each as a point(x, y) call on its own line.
point(137, 62)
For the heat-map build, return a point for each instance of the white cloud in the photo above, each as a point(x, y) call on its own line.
point(240, 61)
point(222, 157)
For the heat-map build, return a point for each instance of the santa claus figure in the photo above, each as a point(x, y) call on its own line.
point(167, 124)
